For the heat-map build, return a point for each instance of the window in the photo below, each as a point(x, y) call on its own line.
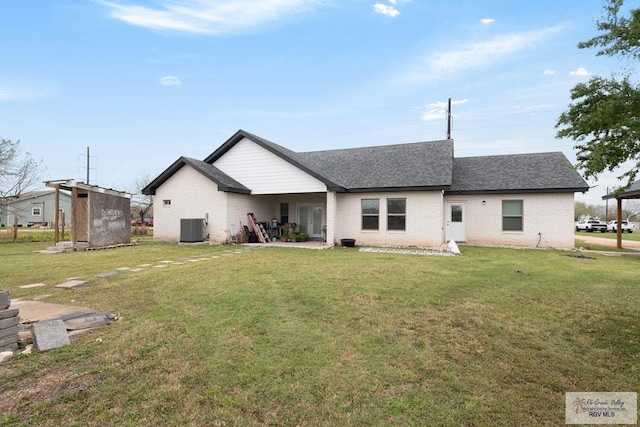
point(396, 214)
point(512, 215)
point(284, 213)
point(370, 214)
point(36, 212)
point(166, 202)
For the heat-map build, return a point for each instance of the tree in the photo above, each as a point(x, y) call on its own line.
point(18, 173)
point(604, 113)
point(142, 204)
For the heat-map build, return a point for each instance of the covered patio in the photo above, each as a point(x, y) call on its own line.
point(633, 192)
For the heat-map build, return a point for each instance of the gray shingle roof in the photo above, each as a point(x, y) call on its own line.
point(224, 181)
point(403, 166)
point(537, 172)
point(413, 166)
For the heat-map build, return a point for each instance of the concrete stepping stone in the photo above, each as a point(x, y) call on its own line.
point(136, 270)
point(70, 284)
point(123, 268)
point(33, 285)
point(107, 275)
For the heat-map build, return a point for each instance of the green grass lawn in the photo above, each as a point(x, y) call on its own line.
point(635, 236)
point(289, 337)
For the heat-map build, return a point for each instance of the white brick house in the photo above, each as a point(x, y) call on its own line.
point(415, 194)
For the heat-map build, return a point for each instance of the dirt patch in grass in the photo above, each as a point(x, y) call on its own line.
point(50, 384)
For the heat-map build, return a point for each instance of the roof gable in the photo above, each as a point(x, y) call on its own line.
point(280, 151)
point(537, 172)
point(224, 181)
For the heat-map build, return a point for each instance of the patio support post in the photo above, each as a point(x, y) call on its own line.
point(331, 217)
point(56, 221)
point(619, 224)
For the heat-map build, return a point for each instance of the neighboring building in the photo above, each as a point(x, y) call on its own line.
point(34, 208)
point(415, 194)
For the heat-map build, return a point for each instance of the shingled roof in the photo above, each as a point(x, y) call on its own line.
point(412, 166)
point(224, 181)
point(537, 172)
point(423, 165)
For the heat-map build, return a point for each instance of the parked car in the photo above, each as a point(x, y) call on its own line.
point(591, 225)
point(624, 226)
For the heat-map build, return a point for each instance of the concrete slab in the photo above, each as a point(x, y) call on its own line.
point(13, 331)
point(49, 334)
point(5, 300)
point(70, 284)
point(9, 322)
point(33, 285)
point(10, 312)
point(136, 270)
point(35, 311)
point(107, 275)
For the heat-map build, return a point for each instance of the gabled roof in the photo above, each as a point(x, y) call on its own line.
point(421, 165)
point(280, 151)
point(538, 172)
point(413, 166)
point(224, 181)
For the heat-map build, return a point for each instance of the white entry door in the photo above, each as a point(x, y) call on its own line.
point(311, 220)
point(456, 228)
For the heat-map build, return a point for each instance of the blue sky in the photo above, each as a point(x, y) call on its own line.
point(142, 82)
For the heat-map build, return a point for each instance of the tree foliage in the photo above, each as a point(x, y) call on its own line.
point(604, 114)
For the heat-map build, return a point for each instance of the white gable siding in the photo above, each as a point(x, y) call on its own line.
point(192, 195)
point(264, 172)
point(423, 221)
point(551, 215)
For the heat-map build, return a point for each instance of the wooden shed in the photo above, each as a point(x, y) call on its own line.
point(100, 216)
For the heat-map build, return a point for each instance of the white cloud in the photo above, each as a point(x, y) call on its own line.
point(548, 72)
point(580, 72)
point(473, 56)
point(383, 9)
point(204, 16)
point(170, 81)
point(487, 21)
point(438, 110)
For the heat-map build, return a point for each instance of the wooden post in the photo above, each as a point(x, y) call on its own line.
point(56, 221)
point(74, 214)
point(619, 224)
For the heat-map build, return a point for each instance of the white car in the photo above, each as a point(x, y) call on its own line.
point(591, 225)
point(624, 226)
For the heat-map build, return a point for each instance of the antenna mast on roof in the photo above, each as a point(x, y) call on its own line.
point(449, 119)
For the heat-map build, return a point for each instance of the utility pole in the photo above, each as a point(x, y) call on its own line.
point(449, 119)
point(88, 165)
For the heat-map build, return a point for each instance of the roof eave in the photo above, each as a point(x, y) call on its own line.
point(395, 189)
point(518, 191)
